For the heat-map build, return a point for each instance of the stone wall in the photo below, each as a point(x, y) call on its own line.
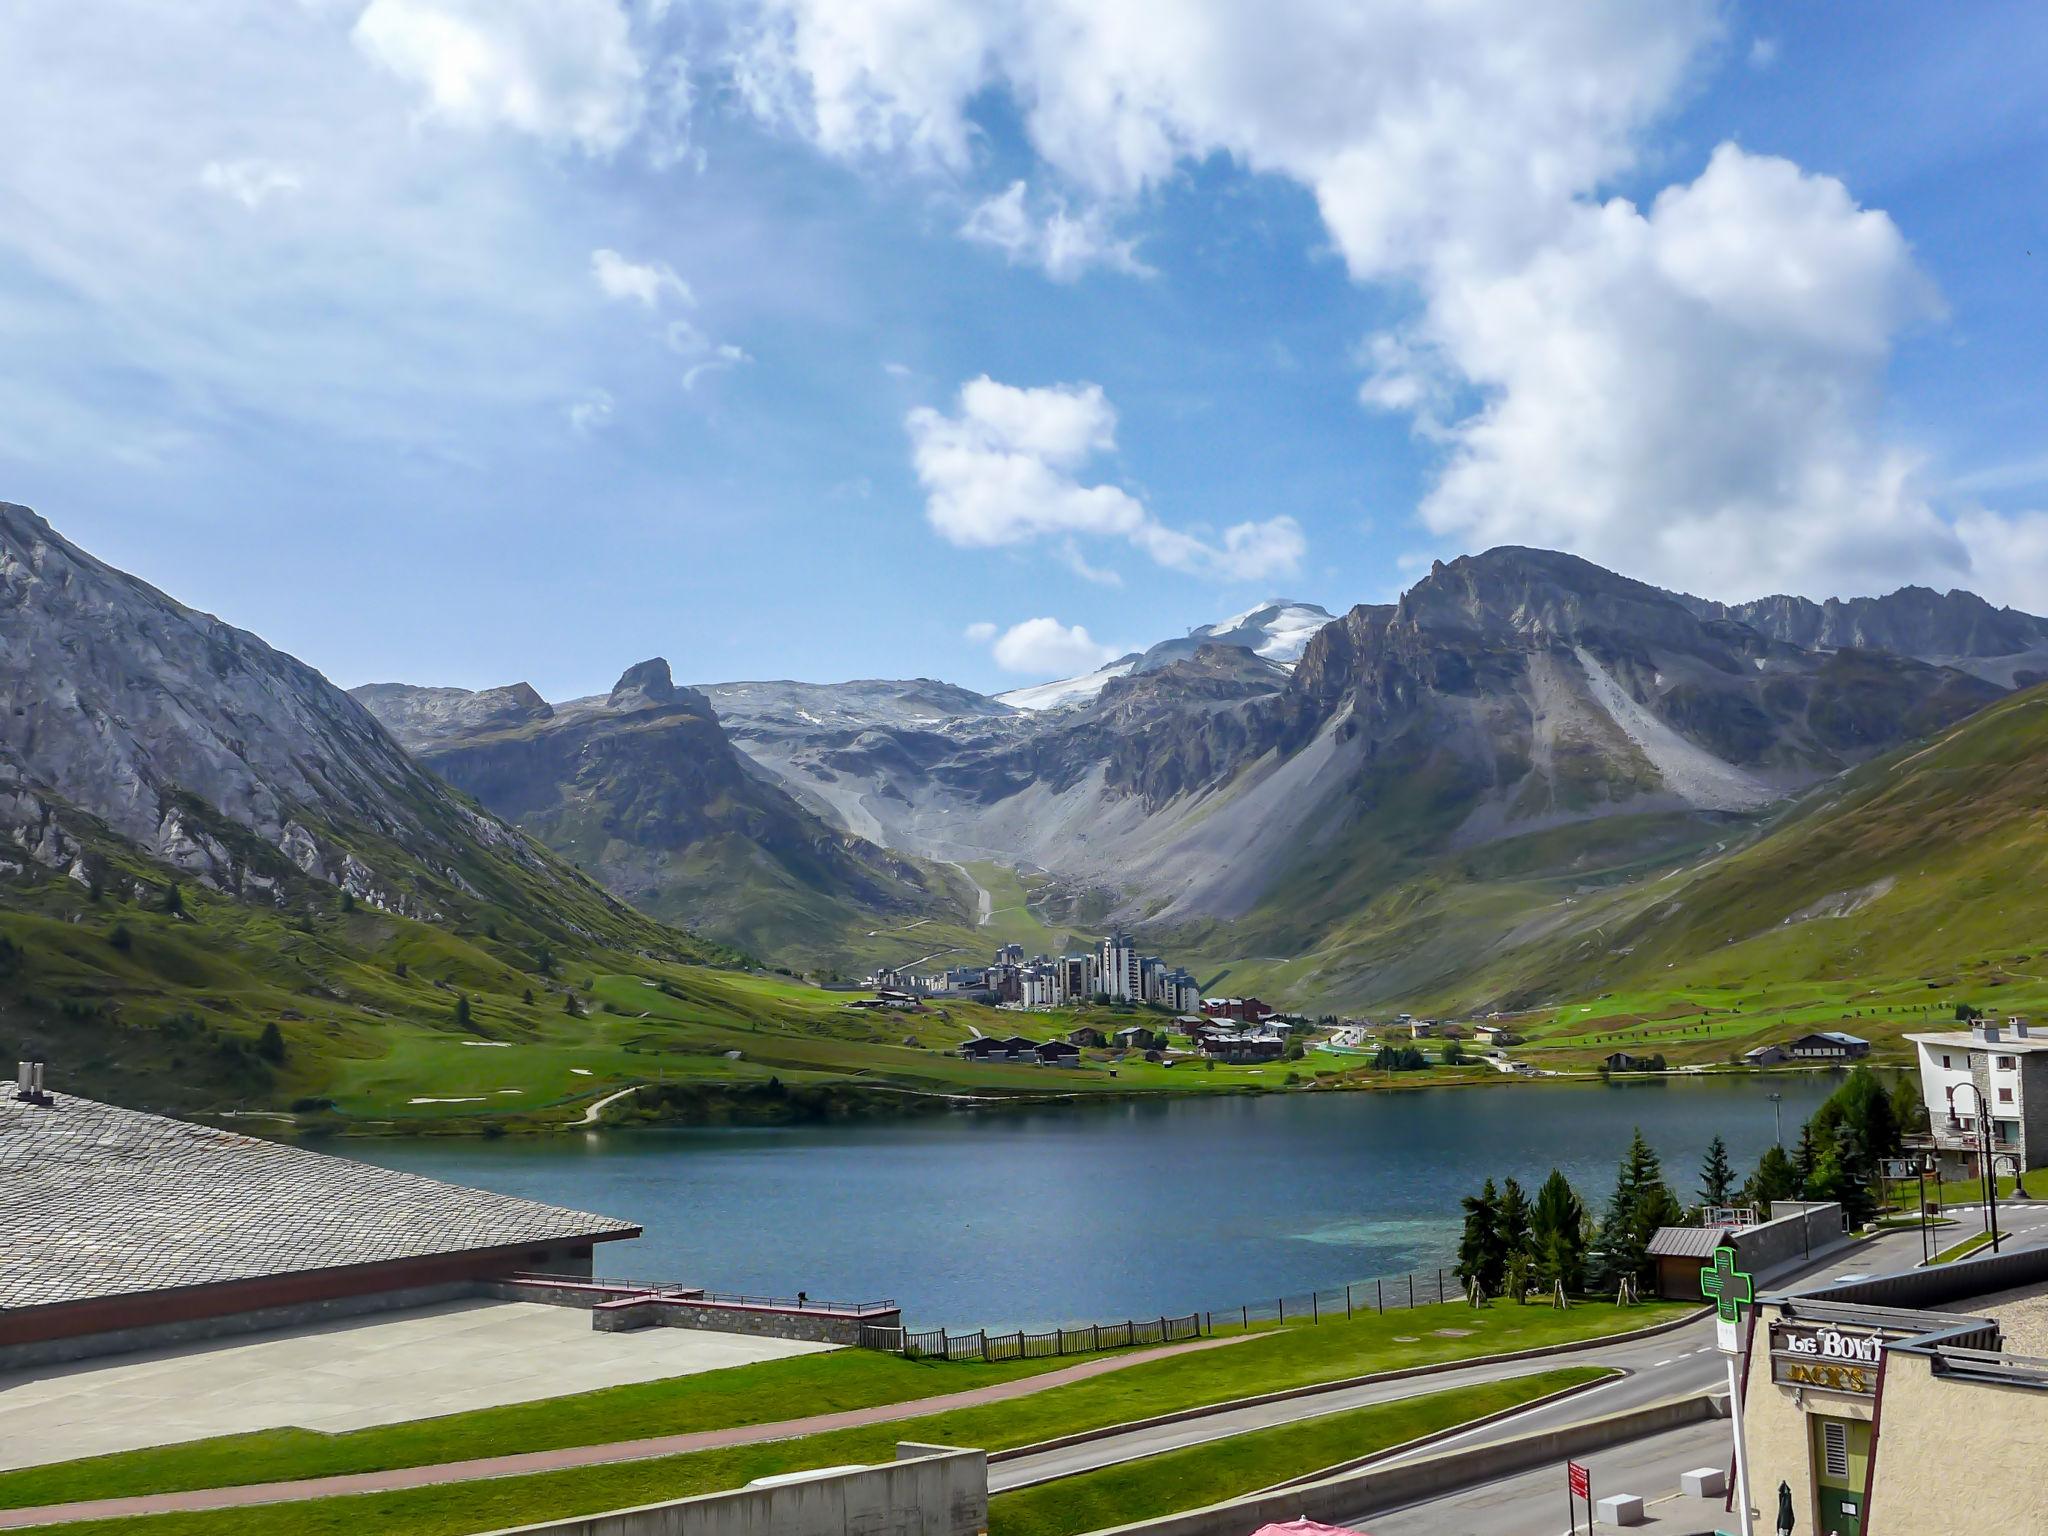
point(927, 1491)
point(716, 1317)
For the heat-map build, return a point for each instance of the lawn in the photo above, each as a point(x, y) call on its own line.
point(1270, 1361)
point(1227, 1469)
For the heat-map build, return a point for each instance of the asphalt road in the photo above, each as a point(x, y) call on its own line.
point(1674, 1364)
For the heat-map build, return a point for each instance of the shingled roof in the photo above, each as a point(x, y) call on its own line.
point(97, 1201)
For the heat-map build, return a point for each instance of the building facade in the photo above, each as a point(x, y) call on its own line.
point(2006, 1064)
point(1902, 1403)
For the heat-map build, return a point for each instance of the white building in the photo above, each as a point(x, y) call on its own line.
point(2007, 1065)
point(1118, 958)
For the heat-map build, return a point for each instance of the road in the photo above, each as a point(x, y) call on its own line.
point(1531, 1504)
point(1679, 1363)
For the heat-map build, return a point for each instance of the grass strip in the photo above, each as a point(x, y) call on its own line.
point(1225, 1469)
point(1269, 1362)
point(1962, 1250)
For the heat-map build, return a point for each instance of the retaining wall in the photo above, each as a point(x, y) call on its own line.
point(1796, 1231)
point(928, 1491)
point(759, 1322)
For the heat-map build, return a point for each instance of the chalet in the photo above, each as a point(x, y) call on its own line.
point(1246, 1010)
point(1765, 1056)
point(1136, 1037)
point(1012, 1048)
point(1496, 1034)
point(1058, 1053)
point(1622, 1061)
point(1421, 1029)
point(1088, 1037)
point(1680, 1254)
point(1828, 1045)
point(1243, 1045)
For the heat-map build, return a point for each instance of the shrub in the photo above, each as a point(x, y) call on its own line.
point(121, 938)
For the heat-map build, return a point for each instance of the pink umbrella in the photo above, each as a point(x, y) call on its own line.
point(1303, 1528)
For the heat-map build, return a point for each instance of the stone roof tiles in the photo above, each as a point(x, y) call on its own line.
point(98, 1201)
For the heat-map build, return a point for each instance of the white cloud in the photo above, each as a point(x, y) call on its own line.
point(1415, 126)
point(979, 632)
point(1003, 471)
point(1048, 648)
point(590, 413)
point(1763, 52)
point(1686, 392)
point(564, 71)
point(2008, 555)
point(647, 283)
point(251, 183)
point(1063, 244)
point(1069, 554)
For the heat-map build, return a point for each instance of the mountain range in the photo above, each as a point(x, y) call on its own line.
point(1460, 797)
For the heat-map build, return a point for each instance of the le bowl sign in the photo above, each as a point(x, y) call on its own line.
point(1810, 1355)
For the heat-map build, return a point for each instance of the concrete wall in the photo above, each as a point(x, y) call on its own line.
point(1796, 1230)
point(759, 1322)
point(931, 1491)
point(1362, 1494)
point(1940, 1285)
point(1956, 1456)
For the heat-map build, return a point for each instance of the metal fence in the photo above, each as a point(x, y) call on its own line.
point(980, 1344)
point(1424, 1288)
point(1427, 1288)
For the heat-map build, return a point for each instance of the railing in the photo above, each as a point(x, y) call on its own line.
point(691, 1293)
point(980, 1344)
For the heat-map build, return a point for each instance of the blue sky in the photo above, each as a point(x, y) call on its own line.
point(462, 342)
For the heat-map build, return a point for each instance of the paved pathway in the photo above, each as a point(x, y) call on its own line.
point(592, 1455)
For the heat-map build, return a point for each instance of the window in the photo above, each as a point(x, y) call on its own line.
point(1947, 1065)
point(1834, 1435)
point(2005, 1095)
point(2007, 1063)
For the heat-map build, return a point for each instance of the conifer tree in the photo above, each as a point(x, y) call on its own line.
point(1481, 1256)
point(1717, 1175)
point(1642, 1203)
point(1557, 1233)
point(462, 1010)
point(1776, 1178)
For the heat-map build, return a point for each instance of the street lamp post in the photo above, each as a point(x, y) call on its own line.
point(2019, 1176)
point(1987, 1172)
point(1778, 1118)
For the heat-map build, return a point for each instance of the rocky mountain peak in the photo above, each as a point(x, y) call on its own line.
point(645, 684)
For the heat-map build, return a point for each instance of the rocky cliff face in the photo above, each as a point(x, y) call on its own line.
point(642, 788)
point(1504, 694)
point(211, 752)
point(1955, 628)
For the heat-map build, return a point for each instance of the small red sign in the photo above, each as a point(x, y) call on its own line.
point(1581, 1480)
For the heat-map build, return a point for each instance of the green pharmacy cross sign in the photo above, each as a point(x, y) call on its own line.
point(1727, 1287)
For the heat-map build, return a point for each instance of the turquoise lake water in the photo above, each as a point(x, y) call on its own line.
point(1102, 1212)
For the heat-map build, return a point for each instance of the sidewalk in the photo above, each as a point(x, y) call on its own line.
point(589, 1455)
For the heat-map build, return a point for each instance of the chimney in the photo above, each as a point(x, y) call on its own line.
point(2019, 1027)
point(1985, 1030)
point(28, 1083)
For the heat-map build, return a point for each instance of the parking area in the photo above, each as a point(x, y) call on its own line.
point(345, 1375)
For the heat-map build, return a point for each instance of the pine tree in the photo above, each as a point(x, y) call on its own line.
point(1717, 1175)
point(1517, 1240)
point(1641, 1203)
point(1557, 1234)
point(1481, 1257)
point(1776, 1178)
point(1803, 1159)
point(1909, 1109)
point(462, 1020)
point(570, 1006)
point(174, 899)
point(270, 1044)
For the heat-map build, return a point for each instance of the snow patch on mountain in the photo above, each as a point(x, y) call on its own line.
point(1277, 630)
